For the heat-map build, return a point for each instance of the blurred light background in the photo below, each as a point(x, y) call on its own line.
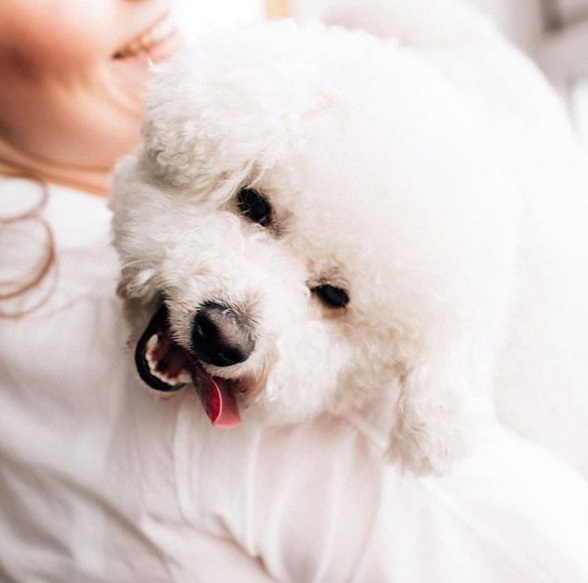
point(552, 32)
point(195, 15)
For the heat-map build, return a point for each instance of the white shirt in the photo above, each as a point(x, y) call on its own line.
point(102, 482)
point(314, 505)
point(62, 371)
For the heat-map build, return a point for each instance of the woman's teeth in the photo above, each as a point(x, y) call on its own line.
point(155, 35)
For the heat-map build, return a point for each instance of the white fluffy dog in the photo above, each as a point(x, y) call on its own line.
point(321, 220)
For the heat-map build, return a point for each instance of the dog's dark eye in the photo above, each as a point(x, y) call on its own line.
point(254, 206)
point(331, 296)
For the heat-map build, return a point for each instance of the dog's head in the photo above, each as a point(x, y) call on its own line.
point(315, 219)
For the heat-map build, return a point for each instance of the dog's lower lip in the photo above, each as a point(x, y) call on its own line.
point(157, 323)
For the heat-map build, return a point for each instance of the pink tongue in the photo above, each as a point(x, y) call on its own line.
point(217, 399)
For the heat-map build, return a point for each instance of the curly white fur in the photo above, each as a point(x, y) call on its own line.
point(385, 178)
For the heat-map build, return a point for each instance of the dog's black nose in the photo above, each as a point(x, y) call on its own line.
point(221, 336)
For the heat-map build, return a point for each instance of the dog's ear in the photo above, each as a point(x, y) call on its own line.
point(431, 418)
point(208, 121)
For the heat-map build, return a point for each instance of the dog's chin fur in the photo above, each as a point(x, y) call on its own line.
point(383, 179)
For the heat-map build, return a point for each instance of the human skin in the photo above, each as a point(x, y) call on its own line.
point(73, 77)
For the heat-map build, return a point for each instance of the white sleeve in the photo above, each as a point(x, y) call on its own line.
point(323, 511)
point(312, 505)
point(315, 500)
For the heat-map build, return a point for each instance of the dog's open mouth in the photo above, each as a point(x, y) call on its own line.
point(165, 366)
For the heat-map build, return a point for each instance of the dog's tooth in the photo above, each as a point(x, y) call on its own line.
point(150, 360)
point(180, 379)
point(153, 342)
point(184, 377)
point(162, 377)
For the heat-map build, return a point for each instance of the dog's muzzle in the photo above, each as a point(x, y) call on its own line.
point(220, 338)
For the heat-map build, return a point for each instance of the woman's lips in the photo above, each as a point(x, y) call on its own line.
point(157, 43)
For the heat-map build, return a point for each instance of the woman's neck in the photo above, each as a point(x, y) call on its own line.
point(16, 163)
